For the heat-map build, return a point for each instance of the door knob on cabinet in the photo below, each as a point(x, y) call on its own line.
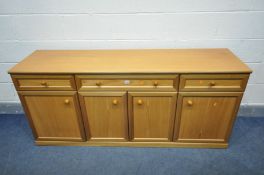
point(189, 103)
point(98, 83)
point(115, 102)
point(139, 102)
point(43, 83)
point(212, 83)
point(155, 83)
point(67, 101)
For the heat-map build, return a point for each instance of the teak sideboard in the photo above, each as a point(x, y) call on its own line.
point(145, 98)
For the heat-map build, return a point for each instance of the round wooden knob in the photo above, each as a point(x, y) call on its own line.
point(155, 83)
point(115, 102)
point(67, 101)
point(43, 83)
point(98, 83)
point(139, 102)
point(212, 83)
point(189, 102)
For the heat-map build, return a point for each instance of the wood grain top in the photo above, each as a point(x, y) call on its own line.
point(131, 61)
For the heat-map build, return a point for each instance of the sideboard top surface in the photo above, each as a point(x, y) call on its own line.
point(131, 61)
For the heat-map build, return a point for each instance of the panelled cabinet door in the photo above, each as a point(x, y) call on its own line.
point(53, 115)
point(205, 117)
point(151, 115)
point(105, 115)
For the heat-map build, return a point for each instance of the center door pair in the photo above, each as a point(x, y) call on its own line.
point(122, 116)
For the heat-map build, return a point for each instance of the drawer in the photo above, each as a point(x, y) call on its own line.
point(213, 82)
point(44, 82)
point(127, 82)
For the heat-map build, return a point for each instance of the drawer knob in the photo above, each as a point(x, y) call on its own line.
point(67, 101)
point(155, 83)
point(212, 83)
point(98, 83)
point(115, 102)
point(139, 102)
point(189, 103)
point(43, 83)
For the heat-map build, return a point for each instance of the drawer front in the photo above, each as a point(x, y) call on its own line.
point(213, 82)
point(126, 82)
point(44, 82)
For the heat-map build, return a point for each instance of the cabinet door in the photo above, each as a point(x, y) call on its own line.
point(105, 115)
point(205, 117)
point(53, 115)
point(151, 115)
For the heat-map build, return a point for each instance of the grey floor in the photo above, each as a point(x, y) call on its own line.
point(18, 155)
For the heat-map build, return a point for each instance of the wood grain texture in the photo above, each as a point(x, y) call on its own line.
point(128, 97)
point(131, 61)
point(105, 115)
point(151, 115)
point(141, 82)
point(213, 82)
point(54, 115)
point(134, 144)
point(44, 82)
point(205, 117)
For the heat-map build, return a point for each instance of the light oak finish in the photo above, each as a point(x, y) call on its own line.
point(205, 117)
point(44, 82)
point(151, 115)
point(213, 82)
point(134, 144)
point(53, 115)
point(167, 82)
point(131, 61)
point(137, 98)
point(105, 115)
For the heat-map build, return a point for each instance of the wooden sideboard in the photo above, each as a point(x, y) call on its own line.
point(145, 98)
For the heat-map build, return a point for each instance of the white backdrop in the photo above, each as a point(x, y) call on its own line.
point(122, 24)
